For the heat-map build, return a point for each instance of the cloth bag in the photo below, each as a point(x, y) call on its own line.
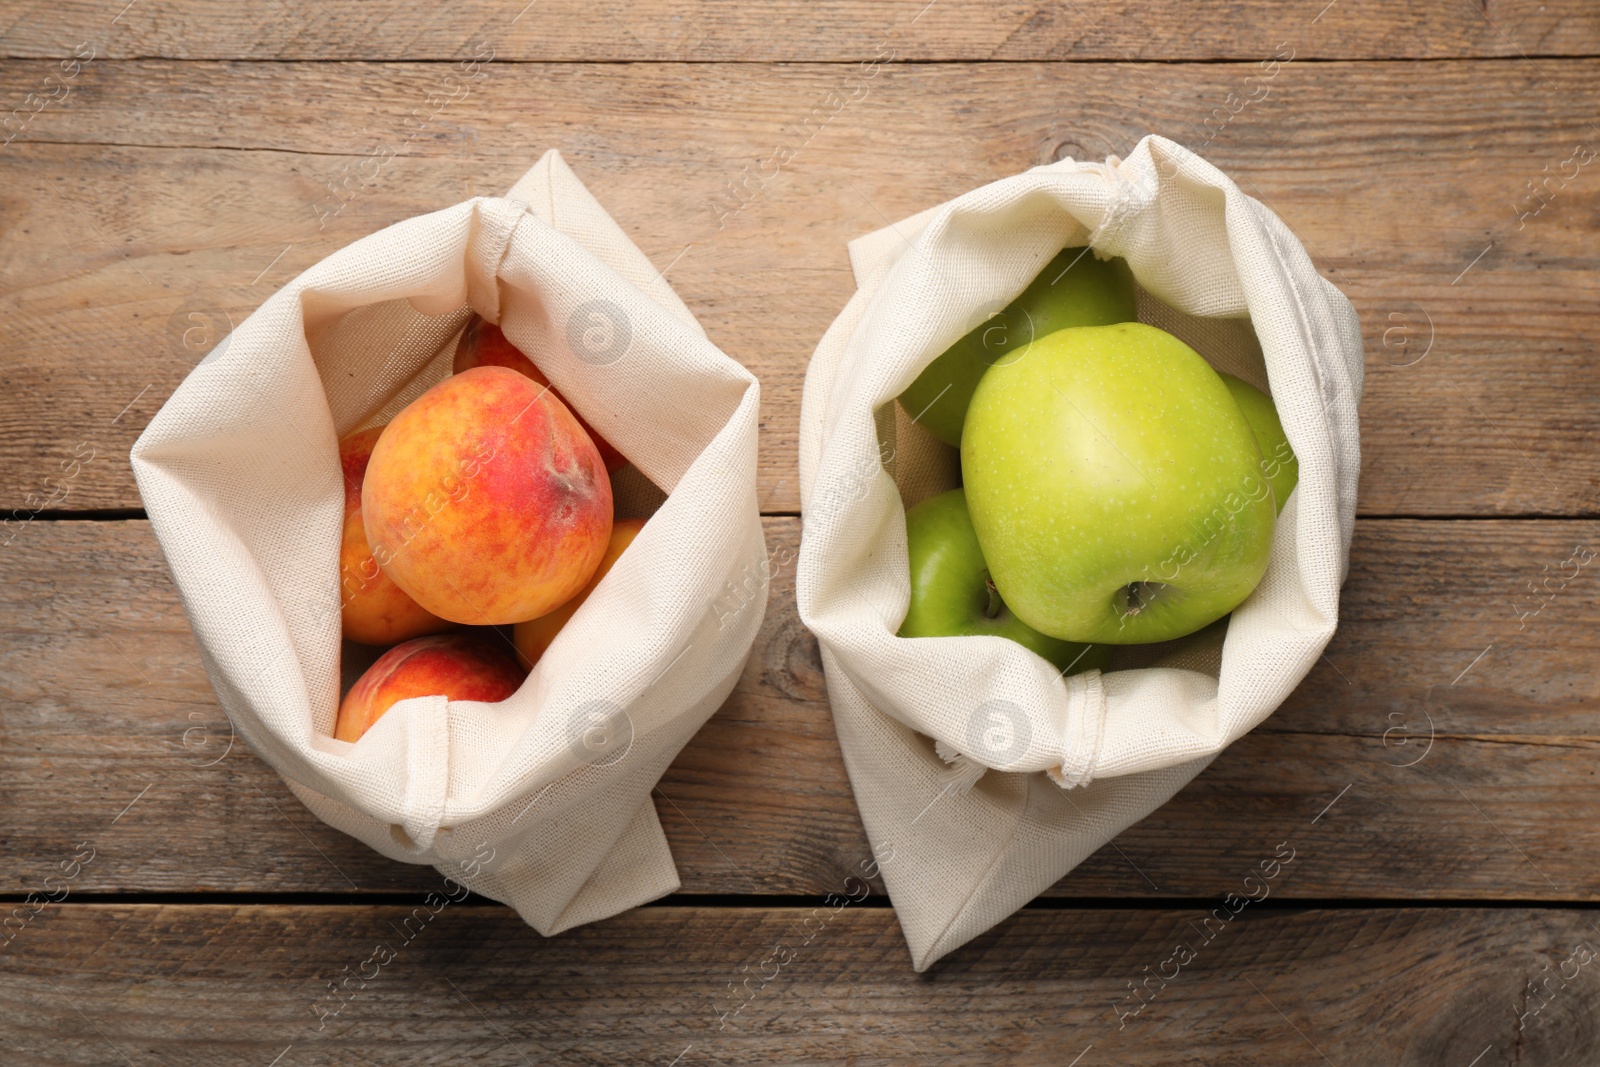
point(541, 801)
point(1070, 762)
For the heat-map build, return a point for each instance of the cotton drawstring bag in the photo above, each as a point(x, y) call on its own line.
point(543, 800)
point(982, 775)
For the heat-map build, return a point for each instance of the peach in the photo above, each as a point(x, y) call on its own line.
point(486, 501)
point(372, 609)
point(355, 449)
point(534, 636)
point(456, 666)
point(483, 345)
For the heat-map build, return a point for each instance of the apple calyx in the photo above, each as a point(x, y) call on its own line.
point(1131, 599)
point(1137, 594)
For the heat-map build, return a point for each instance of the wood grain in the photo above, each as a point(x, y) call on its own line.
point(189, 984)
point(159, 191)
point(1453, 752)
point(789, 30)
point(1440, 755)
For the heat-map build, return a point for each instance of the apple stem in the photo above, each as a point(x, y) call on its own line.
point(995, 606)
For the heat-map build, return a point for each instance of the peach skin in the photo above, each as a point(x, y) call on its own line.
point(455, 666)
point(355, 449)
point(534, 636)
point(484, 345)
point(486, 501)
point(372, 609)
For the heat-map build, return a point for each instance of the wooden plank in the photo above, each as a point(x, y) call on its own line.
point(1444, 747)
point(790, 30)
point(188, 984)
point(163, 190)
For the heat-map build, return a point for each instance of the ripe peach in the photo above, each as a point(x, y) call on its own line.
point(485, 500)
point(457, 666)
point(483, 345)
point(534, 636)
point(355, 449)
point(372, 609)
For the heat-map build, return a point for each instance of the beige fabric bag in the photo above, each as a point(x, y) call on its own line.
point(919, 721)
point(542, 801)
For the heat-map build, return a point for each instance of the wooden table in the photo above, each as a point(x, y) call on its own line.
point(1435, 773)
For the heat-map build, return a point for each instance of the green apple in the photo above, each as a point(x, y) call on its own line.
point(1277, 458)
point(1076, 288)
point(1115, 486)
point(952, 596)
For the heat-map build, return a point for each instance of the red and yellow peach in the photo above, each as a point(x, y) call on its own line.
point(372, 609)
point(455, 666)
point(486, 501)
